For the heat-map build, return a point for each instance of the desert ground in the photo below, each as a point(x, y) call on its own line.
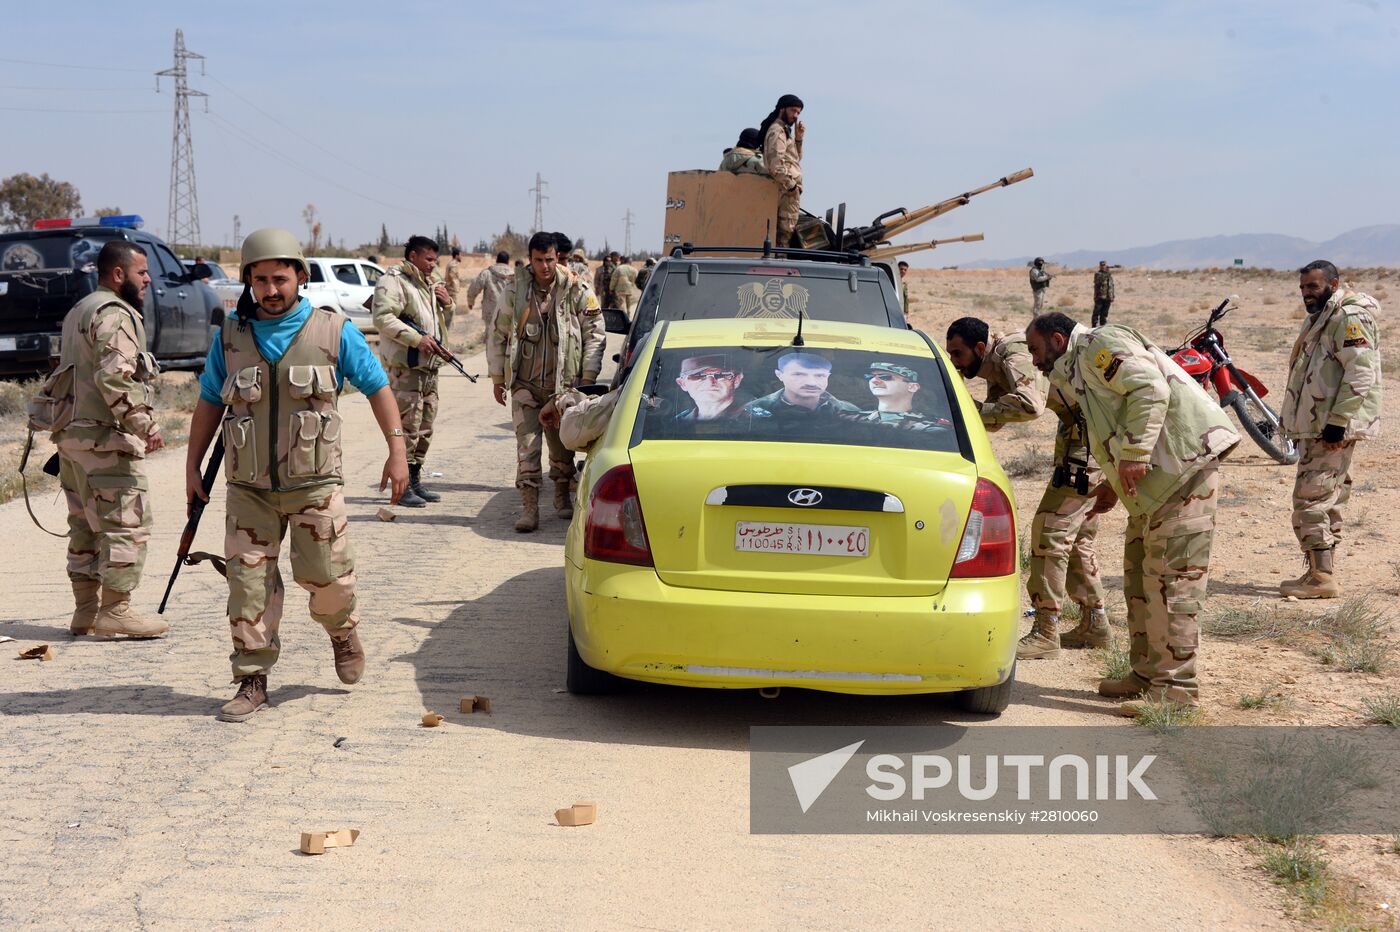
point(124, 803)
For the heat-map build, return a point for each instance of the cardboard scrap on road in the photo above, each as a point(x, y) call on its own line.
point(318, 842)
point(4, 638)
point(476, 704)
point(385, 514)
point(577, 814)
point(432, 720)
point(42, 652)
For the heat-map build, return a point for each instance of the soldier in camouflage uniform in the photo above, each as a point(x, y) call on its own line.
point(1159, 439)
point(1015, 390)
point(548, 338)
point(490, 283)
point(904, 284)
point(602, 281)
point(896, 388)
point(1332, 401)
point(782, 156)
point(746, 158)
point(624, 285)
point(452, 280)
point(271, 384)
point(1040, 283)
point(414, 290)
point(579, 418)
point(1103, 294)
point(102, 384)
point(578, 264)
point(804, 377)
point(644, 274)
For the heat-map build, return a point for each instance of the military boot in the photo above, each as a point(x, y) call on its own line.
point(349, 657)
point(86, 600)
point(563, 499)
point(1043, 640)
point(1129, 687)
point(1092, 631)
point(410, 498)
point(530, 510)
point(1317, 582)
point(116, 618)
point(415, 483)
point(251, 696)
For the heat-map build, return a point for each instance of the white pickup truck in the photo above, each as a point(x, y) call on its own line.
point(343, 284)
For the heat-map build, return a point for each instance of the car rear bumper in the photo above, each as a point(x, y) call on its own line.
point(626, 621)
point(27, 353)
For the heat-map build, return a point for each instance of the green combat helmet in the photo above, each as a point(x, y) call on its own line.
point(272, 243)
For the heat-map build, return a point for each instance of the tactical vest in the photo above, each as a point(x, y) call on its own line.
point(75, 380)
point(282, 429)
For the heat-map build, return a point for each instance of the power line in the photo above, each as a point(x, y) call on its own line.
point(68, 110)
point(50, 64)
point(84, 90)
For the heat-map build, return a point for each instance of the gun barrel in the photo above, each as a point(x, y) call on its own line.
point(211, 473)
point(924, 214)
point(904, 249)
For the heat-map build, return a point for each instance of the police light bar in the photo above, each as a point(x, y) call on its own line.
point(122, 221)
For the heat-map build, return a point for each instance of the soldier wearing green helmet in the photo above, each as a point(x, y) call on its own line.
point(271, 385)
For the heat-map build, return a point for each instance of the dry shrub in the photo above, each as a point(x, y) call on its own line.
point(1269, 299)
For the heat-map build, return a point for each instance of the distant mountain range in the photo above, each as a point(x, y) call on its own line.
point(1362, 247)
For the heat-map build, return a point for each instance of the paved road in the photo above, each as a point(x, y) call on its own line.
point(124, 803)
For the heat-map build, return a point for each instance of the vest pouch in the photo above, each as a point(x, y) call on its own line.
point(244, 386)
point(302, 439)
point(302, 380)
point(240, 450)
point(325, 382)
point(51, 408)
point(146, 367)
point(328, 445)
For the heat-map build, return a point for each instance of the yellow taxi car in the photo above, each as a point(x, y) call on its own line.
point(772, 507)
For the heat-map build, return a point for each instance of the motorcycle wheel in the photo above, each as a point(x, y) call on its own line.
point(1261, 422)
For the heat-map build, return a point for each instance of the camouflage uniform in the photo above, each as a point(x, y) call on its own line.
point(1040, 282)
point(1103, 296)
point(1064, 564)
point(742, 161)
point(288, 407)
point(452, 278)
point(1015, 388)
point(584, 418)
point(1139, 407)
point(490, 283)
point(602, 284)
point(402, 291)
point(904, 420)
point(623, 285)
point(1334, 379)
point(782, 156)
point(540, 347)
point(101, 448)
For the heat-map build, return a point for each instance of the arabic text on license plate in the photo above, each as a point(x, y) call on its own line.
point(823, 539)
point(8, 344)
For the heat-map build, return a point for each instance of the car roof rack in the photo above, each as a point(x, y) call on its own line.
point(791, 252)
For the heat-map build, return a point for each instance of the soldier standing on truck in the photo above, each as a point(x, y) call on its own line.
point(1103, 294)
point(1159, 440)
point(1332, 401)
point(548, 338)
point(488, 285)
point(747, 155)
point(782, 136)
point(271, 383)
point(105, 370)
point(414, 290)
point(1040, 282)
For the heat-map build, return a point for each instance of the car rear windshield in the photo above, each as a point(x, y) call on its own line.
point(773, 292)
point(792, 394)
point(49, 253)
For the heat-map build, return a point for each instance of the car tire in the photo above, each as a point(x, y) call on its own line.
point(583, 680)
point(989, 700)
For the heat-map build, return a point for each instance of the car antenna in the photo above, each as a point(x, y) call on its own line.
point(767, 238)
point(797, 340)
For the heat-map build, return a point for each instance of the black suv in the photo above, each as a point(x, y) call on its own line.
point(43, 273)
point(771, 284)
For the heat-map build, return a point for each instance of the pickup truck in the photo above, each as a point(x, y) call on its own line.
point(343, 284)
point(45, 271)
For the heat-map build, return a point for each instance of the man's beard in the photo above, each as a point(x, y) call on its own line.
point(1320, 302)
point(971, 371)
point(131, 293)
point(296, 299)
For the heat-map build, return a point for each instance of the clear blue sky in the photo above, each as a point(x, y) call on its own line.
point(1143, 121)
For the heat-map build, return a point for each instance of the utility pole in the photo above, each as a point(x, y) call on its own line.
point(237, 231)
point(540, 198)
point(627, 219)
point(183, 227)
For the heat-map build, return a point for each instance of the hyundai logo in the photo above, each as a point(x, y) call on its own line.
point(805, 498)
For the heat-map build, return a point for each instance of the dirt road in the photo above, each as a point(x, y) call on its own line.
point(124, 803)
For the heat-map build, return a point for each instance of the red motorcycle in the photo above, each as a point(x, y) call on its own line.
point(1204, 358)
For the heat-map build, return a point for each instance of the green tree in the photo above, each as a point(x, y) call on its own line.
point(384, 243)
point(24, 199)
point(107, 212)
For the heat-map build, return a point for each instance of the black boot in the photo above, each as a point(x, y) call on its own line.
point(415, 484)
point(410, 499)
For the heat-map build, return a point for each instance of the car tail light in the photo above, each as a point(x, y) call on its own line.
point(988, 546)
point(615, 531)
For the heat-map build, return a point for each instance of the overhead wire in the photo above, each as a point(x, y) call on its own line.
point(50, 64)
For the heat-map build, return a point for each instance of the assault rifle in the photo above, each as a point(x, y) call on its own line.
point(451, 360)
point(184, 557)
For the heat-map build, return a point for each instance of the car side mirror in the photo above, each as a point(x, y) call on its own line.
point(615, 320)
